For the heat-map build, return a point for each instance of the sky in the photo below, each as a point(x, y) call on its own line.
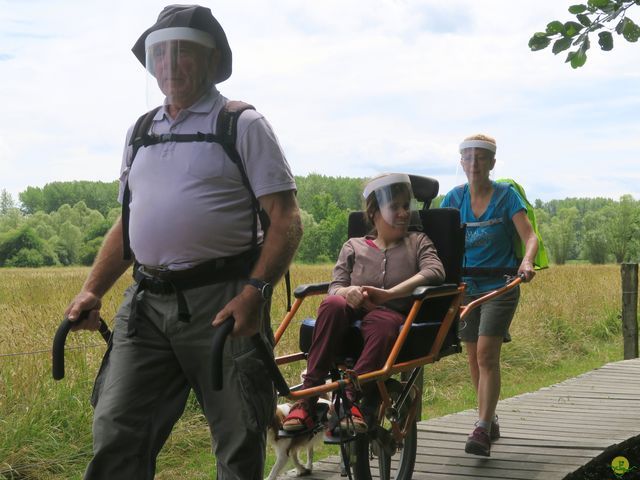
point(351, 87)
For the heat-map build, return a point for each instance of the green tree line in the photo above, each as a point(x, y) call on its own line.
point(64, 223)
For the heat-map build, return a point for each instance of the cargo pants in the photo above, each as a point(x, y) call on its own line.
point(145, 380)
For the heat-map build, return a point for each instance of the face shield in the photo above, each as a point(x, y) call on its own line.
point(477, 158)
point(395, 200)
point(180, 65)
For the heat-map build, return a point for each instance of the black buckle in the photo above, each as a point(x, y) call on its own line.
point(154, 283)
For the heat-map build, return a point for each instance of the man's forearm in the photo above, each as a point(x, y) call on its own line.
point(281, 242)
point(109, 264)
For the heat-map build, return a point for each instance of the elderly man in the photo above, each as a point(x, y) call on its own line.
point(194, 220)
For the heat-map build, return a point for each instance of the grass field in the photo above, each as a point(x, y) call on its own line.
point(568, 322)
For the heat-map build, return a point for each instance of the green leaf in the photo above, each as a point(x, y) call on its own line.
point(600, 3)
point(605, 40)
point(619, 27)
point(539, 41)
point(561, 45)
point(555, 27)
point(584, 20)
point(571, 29)
point(574, 9)
point(577, 58)
point(630, 31)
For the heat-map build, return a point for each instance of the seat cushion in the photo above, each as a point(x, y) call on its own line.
point(418, 343)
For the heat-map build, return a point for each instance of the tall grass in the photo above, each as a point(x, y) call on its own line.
point(567, 323)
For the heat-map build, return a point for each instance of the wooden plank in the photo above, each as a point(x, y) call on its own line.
point(434, 437)
point(545, 434)
point(551, 423)
point(528, 453)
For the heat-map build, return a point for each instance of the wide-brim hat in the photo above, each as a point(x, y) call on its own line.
point(191, 16)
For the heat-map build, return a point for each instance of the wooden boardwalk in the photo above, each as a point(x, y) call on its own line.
point(545, 434)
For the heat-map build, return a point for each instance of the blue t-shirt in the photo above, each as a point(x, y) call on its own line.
point(489, 238)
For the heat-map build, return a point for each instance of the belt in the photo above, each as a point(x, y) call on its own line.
point(162, 281)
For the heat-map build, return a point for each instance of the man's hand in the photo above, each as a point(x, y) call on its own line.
point(245, 309)
point(84, 302)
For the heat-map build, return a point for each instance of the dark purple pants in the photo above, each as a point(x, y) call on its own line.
point(380, 328)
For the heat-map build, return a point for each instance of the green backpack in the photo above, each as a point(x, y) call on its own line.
point(541, 261)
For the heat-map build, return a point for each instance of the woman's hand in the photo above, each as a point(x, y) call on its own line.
point(526, 269)
point(377, 296)
point(354, 296)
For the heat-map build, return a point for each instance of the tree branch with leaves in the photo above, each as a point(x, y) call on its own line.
point(608, 16)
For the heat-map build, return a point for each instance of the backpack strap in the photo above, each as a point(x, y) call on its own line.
point(227, 133)
point(139, 133)
point(502, 189)
point(457, 195)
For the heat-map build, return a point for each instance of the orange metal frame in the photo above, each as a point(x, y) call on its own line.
point(391, 367)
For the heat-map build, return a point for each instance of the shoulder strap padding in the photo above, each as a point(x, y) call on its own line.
point(140, 129)
point(227, 123)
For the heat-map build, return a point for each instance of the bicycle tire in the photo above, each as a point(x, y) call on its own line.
point(367, 447)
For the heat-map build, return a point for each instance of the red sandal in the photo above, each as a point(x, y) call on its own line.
point(359, 424)
point(299, 418)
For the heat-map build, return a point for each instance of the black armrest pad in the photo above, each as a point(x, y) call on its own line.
point(422, 292)
point(302, 291)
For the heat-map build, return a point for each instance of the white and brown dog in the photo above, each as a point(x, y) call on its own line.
point(290, 447)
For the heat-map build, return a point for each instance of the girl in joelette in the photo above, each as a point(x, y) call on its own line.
point(372, 282)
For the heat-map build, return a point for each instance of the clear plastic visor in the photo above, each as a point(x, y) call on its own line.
point(397, 205)
point(476, 163)
point(481, 155)
point(179, 70)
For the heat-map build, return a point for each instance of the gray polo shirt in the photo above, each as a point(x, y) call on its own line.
point(188, 203)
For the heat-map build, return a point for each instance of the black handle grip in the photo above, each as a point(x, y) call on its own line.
point(217, 345)
point(60, 338)
point(57, 352)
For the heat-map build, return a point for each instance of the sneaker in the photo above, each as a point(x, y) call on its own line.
point(495, 430)
point(479, 443)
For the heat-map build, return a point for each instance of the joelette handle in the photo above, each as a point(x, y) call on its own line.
point(57, 351)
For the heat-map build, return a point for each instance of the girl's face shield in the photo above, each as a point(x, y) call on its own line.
point(398, 207)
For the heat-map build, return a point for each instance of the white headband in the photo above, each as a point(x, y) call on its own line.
point(478, 144)
point(180, 33)
point(380, 182)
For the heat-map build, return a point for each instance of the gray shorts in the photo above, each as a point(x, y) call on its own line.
point(490, 319)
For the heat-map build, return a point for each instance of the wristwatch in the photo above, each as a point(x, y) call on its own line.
point(265, 288)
